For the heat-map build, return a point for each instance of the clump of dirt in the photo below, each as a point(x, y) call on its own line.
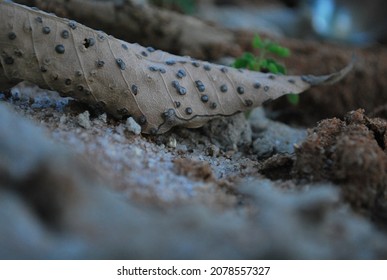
point(351, 153)
point(196, 170)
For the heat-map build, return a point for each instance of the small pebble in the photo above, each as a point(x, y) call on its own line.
point(103, 118)
point(62, 120)
point(133, 126)
point(84, 120)
point(172, 143)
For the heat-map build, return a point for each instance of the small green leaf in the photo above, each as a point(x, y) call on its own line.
point(238, 63)
point(278, 50)
point(248, 56)
point(283, 52)
point(281, 69)
point(263, 64)
point(244, 60)
point(266, 43)
point(253, 65)
point(257, 42)
point(293, 98)
point(272, 67)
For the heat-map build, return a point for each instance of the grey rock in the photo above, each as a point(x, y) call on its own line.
point(270, 137)
point(133, 126)
point(84, 120)
point(229, 133)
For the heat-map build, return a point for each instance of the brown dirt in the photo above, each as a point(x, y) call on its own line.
point(351, 153)
point(196, 170)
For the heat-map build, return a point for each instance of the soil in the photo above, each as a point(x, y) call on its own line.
point(313, 186)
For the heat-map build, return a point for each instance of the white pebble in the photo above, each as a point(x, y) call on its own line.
point(172, 143)
point(84, 120)
point(132, 126)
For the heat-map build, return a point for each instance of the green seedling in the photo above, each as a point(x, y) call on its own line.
point(263, 63)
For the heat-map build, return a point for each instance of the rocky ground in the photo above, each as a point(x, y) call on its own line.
point(81, 186)
point(76, 184)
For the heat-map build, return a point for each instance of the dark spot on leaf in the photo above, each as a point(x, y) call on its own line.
point(196, 64)
point(68, 82)
point(266, 88)
point(54, 76)
point(142, 120)
point(168, 114)
point(125, 47)
point(188, 110)
point(144, 53)
point(175, 84)
point(181, 90)
point(18, 53)
point(200, 86)
point(46, 30)
point(89, 42)
point(177, 104)
point(39, 19)
point(72, 24)
point(204, 98)
point(121, 64)
point(248, 102)
point(213, 105)
point(60, 49)
point(207, 67)
point(65, 34)
point(8, 60)
point(181, 73)
point(12, 35)
point(198, 83)
point(101, 37)
point(257, 85)
point(150, 49)
point(134, 89)
point(223, 88)
point(240, 90)
point(170, 62)
point(100, 63)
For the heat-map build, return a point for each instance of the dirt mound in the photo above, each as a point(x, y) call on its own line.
point(352, 154)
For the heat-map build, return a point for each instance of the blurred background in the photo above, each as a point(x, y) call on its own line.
point(345, 21)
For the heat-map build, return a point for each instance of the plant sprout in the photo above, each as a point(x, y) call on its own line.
point(263, 63)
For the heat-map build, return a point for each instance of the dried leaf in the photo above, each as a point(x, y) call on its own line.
point(159, 90)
